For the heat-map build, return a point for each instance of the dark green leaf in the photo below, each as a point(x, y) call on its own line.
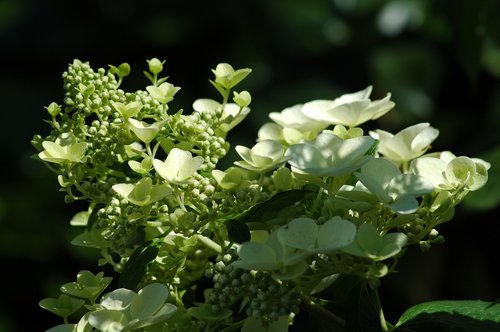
point(93, 215)
point(361, 314)
point(237, 231)
point(448, 316)
point(270, 209)
point(138, 263)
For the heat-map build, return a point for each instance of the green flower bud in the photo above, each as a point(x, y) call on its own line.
point(155, 65)
point(53, 109)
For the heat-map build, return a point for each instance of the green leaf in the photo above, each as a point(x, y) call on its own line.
point(138, 263)
point(93, 215)
point(456, 316)
point(270, 209)
point(237, 231)
point(205, 313)
point(361, 315)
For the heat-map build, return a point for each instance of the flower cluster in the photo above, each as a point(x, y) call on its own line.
point(313, 200)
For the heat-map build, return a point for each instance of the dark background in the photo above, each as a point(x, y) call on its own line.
point(440, 60)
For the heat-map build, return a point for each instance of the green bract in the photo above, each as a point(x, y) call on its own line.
point(329, 155)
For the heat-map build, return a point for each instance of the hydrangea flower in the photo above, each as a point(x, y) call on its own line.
point(371, 244)
point(125, 310)
point(145, 132)
point(262, 157)
point(287, 248)
point(127, 110)
point(407, 144)
point(227, 77)
point(329, 155)
point(395, 190)
point(232, 114)
point(448, 172)
point(163, 93)
point(349, 110)
point(179, 166)
point(143, 192)
point(55, 153)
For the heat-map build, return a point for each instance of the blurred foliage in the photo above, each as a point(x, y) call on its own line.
point(440, 60)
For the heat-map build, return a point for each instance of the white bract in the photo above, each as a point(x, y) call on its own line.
point(262, 157)
point(349, 110)
point(329, 155)
point(407, 144)
point(448, 172)
point(179, 166)
point(395, 190)
point(55, 153)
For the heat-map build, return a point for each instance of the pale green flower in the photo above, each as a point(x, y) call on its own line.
point(143, 192)
point(233, 177)
point(179, 166)
point(262, 157)
point(395, 190)
point(303, 233)
point(286, 250)
point(232, 114)
point(163, 93)
point(329, 155)
point(155, 65)
point(125, 310)
point(294, 117)
point(448, 172)
point(142, 167)
point(407, 144)
point(349, 110)
point(127, 110)
point(55, 153)
point(227, 77)
point(242, 99)
point(371, 244)
point(145, 132)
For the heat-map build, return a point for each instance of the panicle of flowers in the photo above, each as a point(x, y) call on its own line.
point(314, 199)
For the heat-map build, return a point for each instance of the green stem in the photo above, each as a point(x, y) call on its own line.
point(378, 306)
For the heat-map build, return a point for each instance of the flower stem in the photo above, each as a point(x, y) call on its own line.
point(378, 306)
